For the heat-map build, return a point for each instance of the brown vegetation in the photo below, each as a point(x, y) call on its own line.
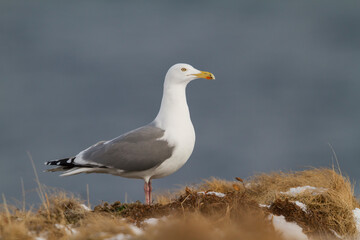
point(193, 215)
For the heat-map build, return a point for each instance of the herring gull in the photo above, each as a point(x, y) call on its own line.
point(155, 150)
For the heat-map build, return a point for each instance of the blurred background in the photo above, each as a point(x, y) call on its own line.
point(76, 72)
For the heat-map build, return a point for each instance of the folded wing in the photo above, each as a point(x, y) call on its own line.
point(138, 150)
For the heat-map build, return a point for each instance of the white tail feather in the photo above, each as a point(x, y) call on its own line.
point(75, 171)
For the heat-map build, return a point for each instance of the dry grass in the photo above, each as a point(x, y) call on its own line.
point(61, 209)
point(100, 226)
point(328, 209)
point(212, 184)
point(196, 226)
point(194, 216)
point(265, 188)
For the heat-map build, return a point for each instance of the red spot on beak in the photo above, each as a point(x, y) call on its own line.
point(208, 77)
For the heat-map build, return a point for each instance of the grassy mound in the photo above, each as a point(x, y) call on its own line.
point(320, 201)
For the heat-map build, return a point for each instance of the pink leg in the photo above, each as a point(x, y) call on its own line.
point(150, 189)
point(146, 191)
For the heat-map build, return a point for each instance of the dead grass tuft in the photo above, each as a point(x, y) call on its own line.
point(329, 208)
point(50, 221)
point(212, 184)
point(63, 208)
point(265, 188)
point(217, 185)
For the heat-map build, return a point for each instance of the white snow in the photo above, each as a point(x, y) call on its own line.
point(336, 234)
point(289, 230)
point(151, 221)
point(135, 229)
point(73, 230)
point(218, 194)
point(120, 236)
point(42, 236)
point(154, 221)
point(68, 229)
point(264, 205)
point(248, 185)
point(85, 207)
point(301, 205)
point(297, 190)
point(356, 213)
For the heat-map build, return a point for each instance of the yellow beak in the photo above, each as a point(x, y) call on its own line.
point(206, 75)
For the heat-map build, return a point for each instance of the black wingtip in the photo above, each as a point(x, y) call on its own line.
point(69, 162)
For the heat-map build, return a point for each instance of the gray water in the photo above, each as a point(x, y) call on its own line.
point(76, 72)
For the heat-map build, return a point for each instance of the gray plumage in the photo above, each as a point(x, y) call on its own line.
point(137, 150)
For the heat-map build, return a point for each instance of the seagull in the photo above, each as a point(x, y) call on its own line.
point(155, 150)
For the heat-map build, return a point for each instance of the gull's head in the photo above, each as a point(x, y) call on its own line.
point(184, 73)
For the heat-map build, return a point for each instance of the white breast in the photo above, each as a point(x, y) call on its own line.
point(183, 140)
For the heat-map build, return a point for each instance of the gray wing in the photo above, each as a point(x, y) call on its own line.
point(137, 150)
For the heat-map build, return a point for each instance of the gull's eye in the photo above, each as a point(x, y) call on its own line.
point(183, 69)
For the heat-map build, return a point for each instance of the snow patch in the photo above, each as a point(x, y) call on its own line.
point(336, 234)
point(248, 185)
point(151, 221)
point(297, 190)
point(136, 230)
point(264, 205)
point(218, 194)
point(289, 230)
point(40, 238)
point(120, 236)
point(356, 213)
point(85, 207)
point(68, 229)
point(301, 205)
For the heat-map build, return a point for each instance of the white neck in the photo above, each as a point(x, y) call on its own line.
point(174, 111)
